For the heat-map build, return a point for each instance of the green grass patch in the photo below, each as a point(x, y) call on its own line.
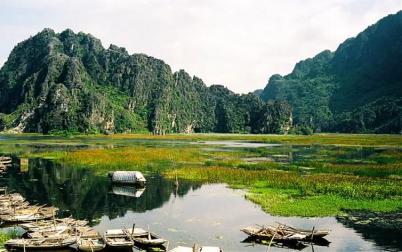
point(289, 203)
point(291, 193)
point(316, 139)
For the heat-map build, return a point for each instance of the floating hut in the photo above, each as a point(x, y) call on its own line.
point(128, 177)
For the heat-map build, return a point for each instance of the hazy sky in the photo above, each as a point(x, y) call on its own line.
point(237, 43)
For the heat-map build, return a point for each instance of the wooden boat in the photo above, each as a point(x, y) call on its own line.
point(11, 207)
point(91, 243)
point(29, 214)
point(52, 231)
point(44, 225)
point(90, 240)
point(12, 197)
point(118, 239)
point(148, 239)
point(40, 243)
point(129, 231)
point(283, 233)
point(128, 177)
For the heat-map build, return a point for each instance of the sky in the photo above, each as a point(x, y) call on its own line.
point(236, 43)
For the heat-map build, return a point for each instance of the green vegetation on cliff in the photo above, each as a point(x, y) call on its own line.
point(357, 88)
point(68, 82)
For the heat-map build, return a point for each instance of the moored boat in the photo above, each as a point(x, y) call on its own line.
point(283, 233)
point(40, 243)
point(148, 239)
point(118, 239)
point(44, 225)
point(90, 244)
point(90, 241)
point(12, 197)
point(52, 231)
point(28, 214)
point(11, 207)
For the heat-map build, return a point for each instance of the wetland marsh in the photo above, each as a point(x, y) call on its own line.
point(302, 181)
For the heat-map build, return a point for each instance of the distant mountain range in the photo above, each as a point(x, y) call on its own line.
point(68, 82)
point(357, 88)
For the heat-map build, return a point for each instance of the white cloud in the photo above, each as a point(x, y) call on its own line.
point(239, 43)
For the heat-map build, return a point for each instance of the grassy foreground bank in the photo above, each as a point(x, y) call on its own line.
point(320, 175)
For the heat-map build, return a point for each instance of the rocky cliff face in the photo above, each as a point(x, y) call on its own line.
point(357, 88)
point(69, 82)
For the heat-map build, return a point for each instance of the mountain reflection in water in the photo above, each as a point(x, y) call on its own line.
point(209, 214)
point(80, 193)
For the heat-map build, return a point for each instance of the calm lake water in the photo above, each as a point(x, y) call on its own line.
point(207, 214)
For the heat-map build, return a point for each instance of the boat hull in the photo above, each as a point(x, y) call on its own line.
point(39, 244)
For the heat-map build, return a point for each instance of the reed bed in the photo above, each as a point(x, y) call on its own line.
point(316, 139)
point(276, 191)
point(321, 139)
point(308, 175)
point(307, 185)
point(130, 158)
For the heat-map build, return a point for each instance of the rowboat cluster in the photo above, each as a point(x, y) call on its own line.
point(44, 231)
point(14, 208)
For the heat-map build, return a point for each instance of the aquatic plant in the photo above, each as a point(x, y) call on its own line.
point(273, 188)
point(7, 235)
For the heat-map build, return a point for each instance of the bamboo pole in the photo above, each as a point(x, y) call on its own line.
point(54, 219)
point(269, 246)
point(312, 234)
point(132, 232)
